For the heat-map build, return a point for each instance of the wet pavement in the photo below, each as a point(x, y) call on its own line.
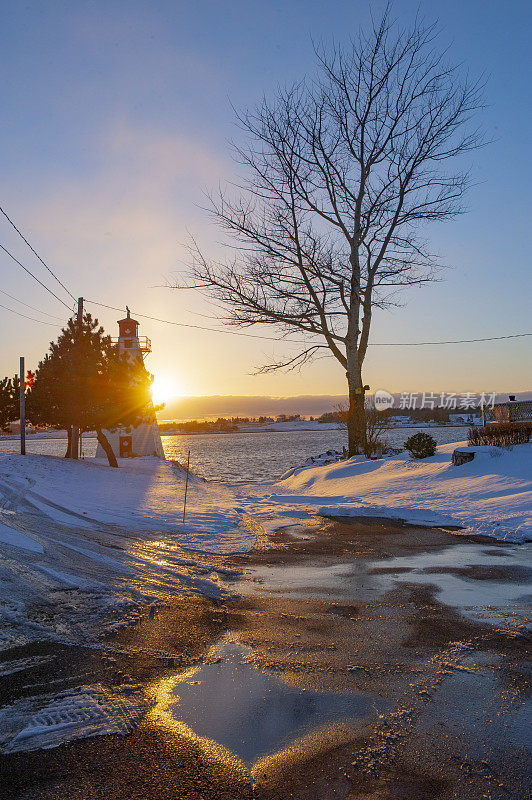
point(355, 660)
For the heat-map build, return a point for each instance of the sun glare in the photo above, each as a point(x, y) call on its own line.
point(163, 389)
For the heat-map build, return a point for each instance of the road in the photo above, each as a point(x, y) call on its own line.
point(354, 660)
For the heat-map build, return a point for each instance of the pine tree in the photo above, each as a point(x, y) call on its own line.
point(6, 395)
point(85, 381)
point(9, 400)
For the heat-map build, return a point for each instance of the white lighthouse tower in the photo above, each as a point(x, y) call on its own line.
point(144, 440)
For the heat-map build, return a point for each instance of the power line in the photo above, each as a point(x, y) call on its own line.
point(190, 325)
point(11, 297)
point(20, 314)
point(33, 276)
point(37, 254)
point(304, 341)
point(204, 327)
point(450, 341)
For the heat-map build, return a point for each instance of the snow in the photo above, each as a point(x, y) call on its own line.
point(15, 538)
point(94, 545)
point(97, 543)
point(491, 495)
point(144, 494)
point(78, 714)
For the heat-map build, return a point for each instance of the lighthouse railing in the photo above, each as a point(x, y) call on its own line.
point(142, 343)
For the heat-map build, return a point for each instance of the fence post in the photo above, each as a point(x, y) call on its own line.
point(186, 487)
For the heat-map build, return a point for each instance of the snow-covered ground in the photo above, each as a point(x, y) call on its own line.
point(98, 538)
point(491, 495)
point(144, 494)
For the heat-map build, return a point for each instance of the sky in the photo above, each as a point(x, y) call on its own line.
point(117, 118)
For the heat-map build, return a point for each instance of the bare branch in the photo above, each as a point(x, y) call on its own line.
point(341, 174)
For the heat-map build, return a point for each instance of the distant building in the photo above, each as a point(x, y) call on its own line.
point(514, 411)
point(465, 418)
point(400, 420)
point(14, 427)
point(144, 440)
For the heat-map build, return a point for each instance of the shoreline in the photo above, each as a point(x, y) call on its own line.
point(92, 435)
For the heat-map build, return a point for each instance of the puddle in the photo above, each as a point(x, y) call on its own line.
point(477, 595)
point(484, 599)
point(233, 704)
point(337, 581)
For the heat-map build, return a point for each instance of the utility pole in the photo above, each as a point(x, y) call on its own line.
point(74, 442)
point(22, 398)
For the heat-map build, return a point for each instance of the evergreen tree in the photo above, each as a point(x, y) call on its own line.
point(6, 389)
point(9, 400)
point(85, 381)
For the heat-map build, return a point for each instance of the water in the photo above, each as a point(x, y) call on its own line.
point(478, 595)
point(244, 457)
point(250, 712)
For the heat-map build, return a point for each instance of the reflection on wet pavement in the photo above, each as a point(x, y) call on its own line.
point(247, 711)
point(336, 580)
point(472, 591)
point(496, 585)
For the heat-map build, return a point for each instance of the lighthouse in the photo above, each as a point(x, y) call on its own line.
point(145, 439)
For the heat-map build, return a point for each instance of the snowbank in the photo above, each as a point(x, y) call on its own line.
point(490, 495)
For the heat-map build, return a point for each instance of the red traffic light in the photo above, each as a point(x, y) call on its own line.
point(30, 378)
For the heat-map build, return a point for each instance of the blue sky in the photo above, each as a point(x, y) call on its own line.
point(117, 117)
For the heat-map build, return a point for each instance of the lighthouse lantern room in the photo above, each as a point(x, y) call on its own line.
point(144, 440)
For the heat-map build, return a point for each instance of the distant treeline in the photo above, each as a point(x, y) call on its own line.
point(416, 414)
point(228, 424)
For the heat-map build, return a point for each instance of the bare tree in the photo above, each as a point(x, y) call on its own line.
point(377, 424)
point(341, 174)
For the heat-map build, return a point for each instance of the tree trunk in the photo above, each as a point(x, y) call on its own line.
point(74, 446)
point(356, 417)
point(69, 444)
point(356, 422)
point(106, 447)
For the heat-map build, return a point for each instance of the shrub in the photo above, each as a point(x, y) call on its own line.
point(500, 434)
point(421, 445)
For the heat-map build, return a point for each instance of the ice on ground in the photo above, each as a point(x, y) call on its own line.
point(86, 540)
point(496, 602)
point(79, 714)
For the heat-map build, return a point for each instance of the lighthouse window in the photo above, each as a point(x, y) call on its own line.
point(127, 343)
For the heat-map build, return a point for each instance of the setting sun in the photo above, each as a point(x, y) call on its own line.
point(163, 389)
